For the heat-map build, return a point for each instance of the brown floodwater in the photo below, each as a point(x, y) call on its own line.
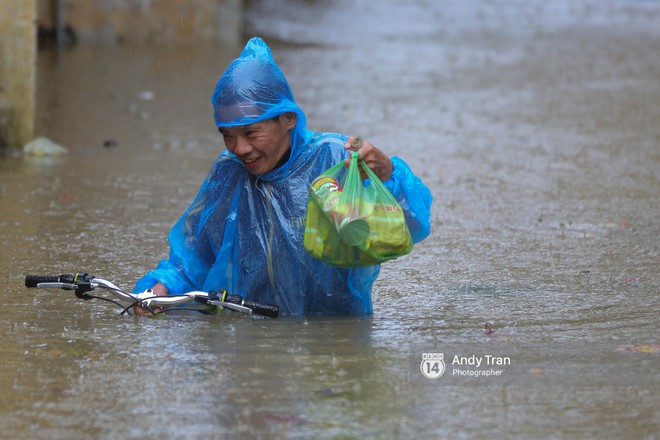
point(536, 126)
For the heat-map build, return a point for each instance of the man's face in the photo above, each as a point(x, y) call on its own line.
point(260, 145)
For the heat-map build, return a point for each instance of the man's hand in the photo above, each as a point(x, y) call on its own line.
point(159, 289)
point(375, 159)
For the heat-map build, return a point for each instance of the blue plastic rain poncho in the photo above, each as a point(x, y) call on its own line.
point(244, 233)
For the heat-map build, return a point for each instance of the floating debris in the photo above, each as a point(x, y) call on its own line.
point(147, 95)
point(330, 392)
point(641, 348)
point(536, 371)
point(293, 419)
point(488, 326)
point(110, 143)
point(66, 197)
point(65, 392)
point(42, 146)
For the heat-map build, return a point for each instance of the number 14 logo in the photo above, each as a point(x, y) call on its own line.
point(433, 365)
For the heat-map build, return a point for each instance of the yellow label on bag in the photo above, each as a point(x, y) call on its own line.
point(387, 237)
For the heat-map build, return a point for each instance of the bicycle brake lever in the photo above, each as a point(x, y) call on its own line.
point(65, 286)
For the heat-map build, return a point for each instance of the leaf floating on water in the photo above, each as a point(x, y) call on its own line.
point(67, 198)
point(536, 371)
point(65, 392)
point(641, 348)
point(489, 328)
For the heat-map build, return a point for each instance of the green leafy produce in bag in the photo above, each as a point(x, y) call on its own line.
point(351, 222)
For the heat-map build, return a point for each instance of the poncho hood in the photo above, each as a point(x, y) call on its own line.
point(253, 89)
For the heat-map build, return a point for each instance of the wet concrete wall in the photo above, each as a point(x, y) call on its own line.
point(17, 71)
point(144, 21)
point(169, 22)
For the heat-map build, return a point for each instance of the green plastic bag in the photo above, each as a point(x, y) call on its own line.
point(354, 223)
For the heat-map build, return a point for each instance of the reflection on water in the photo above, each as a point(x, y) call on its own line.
point(533, 123)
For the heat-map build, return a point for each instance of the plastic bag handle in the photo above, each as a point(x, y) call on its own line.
point(371, 175)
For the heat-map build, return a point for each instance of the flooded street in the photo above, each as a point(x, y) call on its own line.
point(536, 126)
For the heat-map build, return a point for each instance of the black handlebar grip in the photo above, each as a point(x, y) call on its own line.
point(33, 280)
point(263, 309)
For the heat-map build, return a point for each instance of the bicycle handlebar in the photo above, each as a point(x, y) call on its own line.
point(34, 280)
point(82, 283)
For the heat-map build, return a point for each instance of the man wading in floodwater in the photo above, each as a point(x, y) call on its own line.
point(244, 231)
